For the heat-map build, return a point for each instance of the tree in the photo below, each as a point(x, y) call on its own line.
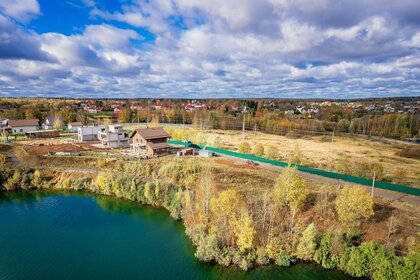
point(343, 125)
point(244, 148)
point(259, 150)
point(37, 180)
point(290, 192)
point(14, 181)
point(244, 232)
point(352, 205)
point(58, 123)
point(306, 247)
point(205, 191)
point(225, 208)
point(125, 116)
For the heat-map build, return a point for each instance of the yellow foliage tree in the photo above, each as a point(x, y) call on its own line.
point(290, 192)
point(244, 232)
point(353, 204)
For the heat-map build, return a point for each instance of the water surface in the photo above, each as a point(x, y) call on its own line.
point(54, 235)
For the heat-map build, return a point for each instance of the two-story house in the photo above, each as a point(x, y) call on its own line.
point(150, 141)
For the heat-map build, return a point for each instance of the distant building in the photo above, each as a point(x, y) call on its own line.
point(21, 126)
point(205, 153)
point(89, 133)
point(51, 121)
point(114, 137)
point(74, 126)
point(150, 141)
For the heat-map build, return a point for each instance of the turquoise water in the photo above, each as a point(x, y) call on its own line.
point(82, 236)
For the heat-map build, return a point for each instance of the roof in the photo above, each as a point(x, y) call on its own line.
point(151, 133)
point(156, 146)
point(75, 123)
point(17, 123)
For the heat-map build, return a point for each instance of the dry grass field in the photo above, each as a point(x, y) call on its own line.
point(351, 155)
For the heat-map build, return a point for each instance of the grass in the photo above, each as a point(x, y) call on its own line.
point(345, 153)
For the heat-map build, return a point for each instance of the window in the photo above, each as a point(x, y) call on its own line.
point(21, 130)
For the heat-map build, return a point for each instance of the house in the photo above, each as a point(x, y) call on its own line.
point(114, 137)
point(150, 141)
point(74, 126)
point(89, 133)
point(53, 122)
point(21, 126)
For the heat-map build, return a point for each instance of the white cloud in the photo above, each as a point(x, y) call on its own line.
point(21, 10)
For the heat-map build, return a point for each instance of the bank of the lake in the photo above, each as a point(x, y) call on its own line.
point(57, 235)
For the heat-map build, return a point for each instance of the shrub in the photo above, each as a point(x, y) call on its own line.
point(284, 259)
point(262, 256)
point(244, 148)
point(207, 248)
point(259, 150)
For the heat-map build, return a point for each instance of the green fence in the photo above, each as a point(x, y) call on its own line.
point(324, 173)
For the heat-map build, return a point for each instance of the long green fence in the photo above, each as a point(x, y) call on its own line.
point(324, 173)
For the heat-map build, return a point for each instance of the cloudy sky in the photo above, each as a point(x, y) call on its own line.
point(217, 48)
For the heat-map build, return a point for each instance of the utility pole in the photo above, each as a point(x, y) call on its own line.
point(373, 182)
point(331, 146)
point(243, 129)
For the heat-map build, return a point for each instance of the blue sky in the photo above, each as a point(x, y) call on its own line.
point(210, 49)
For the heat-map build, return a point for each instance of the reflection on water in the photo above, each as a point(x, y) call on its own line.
point(76, 235)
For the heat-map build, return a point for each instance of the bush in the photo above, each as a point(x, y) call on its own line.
point(412, 151)
point(292, 135)
point(262, 256)
point(259, 150)
point(284, 259)
point(244, 148)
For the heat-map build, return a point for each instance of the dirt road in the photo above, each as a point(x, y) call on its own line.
point(394, 196)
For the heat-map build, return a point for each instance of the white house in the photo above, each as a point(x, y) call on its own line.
point(114, 137)
point(74, 126)
point(51, 121)
point(22, 126)
point(89, 133)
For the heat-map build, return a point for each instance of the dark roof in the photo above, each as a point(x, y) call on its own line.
point(31, 122)
point(156, 146)
point(151, 133)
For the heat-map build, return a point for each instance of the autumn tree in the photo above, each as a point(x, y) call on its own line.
point(58, 123)
point(244, 232)
point(307, 245)
point(290, 193)
point(225, 209)
point(205, 191)
point(244, 148)
point(124, 116)
point(353, 204)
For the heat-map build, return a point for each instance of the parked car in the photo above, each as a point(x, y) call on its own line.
point(251, 163)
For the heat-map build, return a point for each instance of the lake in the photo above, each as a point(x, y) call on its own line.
point(56, 235)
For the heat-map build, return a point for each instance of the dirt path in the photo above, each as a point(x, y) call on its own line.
point(391, 195)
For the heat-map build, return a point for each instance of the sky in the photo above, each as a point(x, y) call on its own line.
point(209, 49)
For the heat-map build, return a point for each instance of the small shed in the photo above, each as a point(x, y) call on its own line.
point(205, 153)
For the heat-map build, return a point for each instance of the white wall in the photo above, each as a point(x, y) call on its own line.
point(23, 129)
